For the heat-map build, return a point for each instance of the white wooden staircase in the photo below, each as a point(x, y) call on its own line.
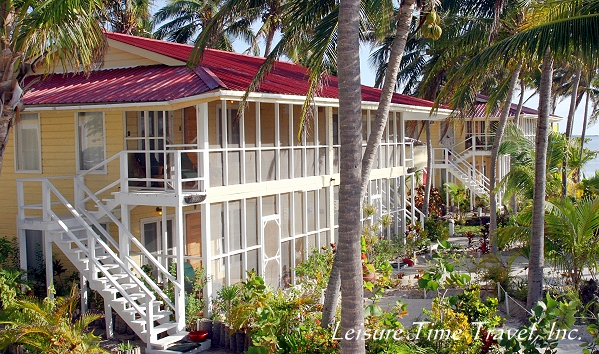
point(109, 268)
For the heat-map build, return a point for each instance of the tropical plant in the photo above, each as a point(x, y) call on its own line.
point(49, 326)
point(187, 18)
point(37, 36)
point(552, 29)
point(572, 234)
point(458, 194)
point(128, 17)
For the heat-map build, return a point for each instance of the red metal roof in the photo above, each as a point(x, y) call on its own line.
point(139, 84)
point(480, 108)
point(227, 70)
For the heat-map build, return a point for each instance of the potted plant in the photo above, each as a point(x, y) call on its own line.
point(126, 348)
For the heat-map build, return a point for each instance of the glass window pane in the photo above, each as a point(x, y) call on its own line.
point(322, 207)
point(251, 220)
point(249, 125)
point(236, 268)
point(91, 139)
point(284, 125)
point(234, 225)
point(269, 205)
point(267, 124)
point(284, 164)
point(252, 259)
point(311, 210)
point(250, 167)
point(216, 169)
point(269, 167)
point(217, 237)
point(234, 171)
point(298, 212)
point(285, 216)
point(28, 143)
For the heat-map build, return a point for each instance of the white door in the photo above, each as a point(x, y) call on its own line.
point(271, 260)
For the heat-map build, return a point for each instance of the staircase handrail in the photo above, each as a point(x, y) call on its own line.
point(107, 249)
point(477, 173)
point(130, 236)
point(130, 260)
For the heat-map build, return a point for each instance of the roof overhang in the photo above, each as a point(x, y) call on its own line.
point(416, 112)
point(163, 59)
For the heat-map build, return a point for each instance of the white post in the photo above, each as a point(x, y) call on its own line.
point(83, 293)
point(48, 260)
point(180, 287)
point(451, 227)
point(206, 261)
point(108, 320)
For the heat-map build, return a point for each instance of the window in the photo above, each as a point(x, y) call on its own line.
point(91, 140)
point(28, 157)
point(232, 126)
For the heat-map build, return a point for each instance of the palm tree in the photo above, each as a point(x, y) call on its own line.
point(49, 326)
point(350, 113)
point(269, 12)
point(36, 37)
point(128, 17)
point(187, 18)
point(520, 180)
point(556, 30)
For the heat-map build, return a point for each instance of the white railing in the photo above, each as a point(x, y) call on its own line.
point(93, 239)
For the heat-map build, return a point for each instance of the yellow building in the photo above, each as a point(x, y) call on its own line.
point(147, 162)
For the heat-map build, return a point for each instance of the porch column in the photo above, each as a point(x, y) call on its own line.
point(330, 171)
point(402, 201)
point(108, 320)
point(180, 261)
point(124, 242)
point(83, 293)
point(48, 260)
point(206, 258)
point(22, 251)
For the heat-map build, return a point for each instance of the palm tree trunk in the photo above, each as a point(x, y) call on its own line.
point(494, 152)
point(350, 113)
point(6, 120)
point(569, 125)
point(429, 166)
point(269, 39)
point(404, 20)
point(584, 131)
point(536, 261)
point(331, 299)
point(514, 199)
point(520, 102)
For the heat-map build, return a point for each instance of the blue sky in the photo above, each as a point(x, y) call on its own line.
point(367, 75)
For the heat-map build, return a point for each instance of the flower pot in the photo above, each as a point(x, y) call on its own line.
point(240, 342)
point(223, 335)
point(227, 337)
point(233, 342)
point(216, 333)
point(205, 325)
point(198, 336)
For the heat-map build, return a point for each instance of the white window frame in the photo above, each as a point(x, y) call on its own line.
point(17, 145)
point(102, 170)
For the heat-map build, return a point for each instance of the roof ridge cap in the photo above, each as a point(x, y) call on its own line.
point(209, 78)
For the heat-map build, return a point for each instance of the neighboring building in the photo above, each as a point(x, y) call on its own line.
point(462, 148)
point(146, 162)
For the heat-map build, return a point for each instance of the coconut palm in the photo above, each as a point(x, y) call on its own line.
point(187, 18)
point(49, 326)
point(128, 17)
point(350, 112)
point(37, 36)
point(558, 29)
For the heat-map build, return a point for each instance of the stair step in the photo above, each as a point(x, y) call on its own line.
point(117, 276)
point(135, 296)
point(157, 316)
point(132, 310)
point(165, 342)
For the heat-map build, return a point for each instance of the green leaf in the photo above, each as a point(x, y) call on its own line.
point(423, 283)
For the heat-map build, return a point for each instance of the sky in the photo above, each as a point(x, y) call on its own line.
point(367, 78)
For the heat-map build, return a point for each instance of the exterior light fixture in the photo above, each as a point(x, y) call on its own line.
point(159, 210)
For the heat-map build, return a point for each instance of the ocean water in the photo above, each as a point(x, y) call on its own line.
point(592, 166)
